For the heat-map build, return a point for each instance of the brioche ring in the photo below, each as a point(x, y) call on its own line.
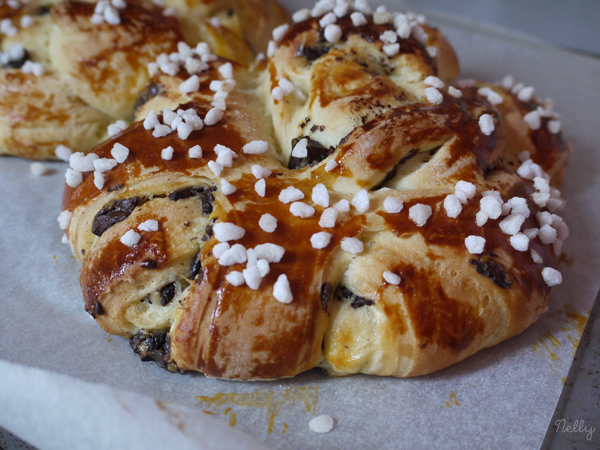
point(341, 206)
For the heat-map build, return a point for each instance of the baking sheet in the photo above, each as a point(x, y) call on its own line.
point(502, 397)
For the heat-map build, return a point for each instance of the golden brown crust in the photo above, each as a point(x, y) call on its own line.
point(252, 20)
point(106, 65)
point(38, 113)
point(94, 73)
point(387, 137)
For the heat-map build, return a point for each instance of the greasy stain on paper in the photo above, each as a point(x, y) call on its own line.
point(271, 403)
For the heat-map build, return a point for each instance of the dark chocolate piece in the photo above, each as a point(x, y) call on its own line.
point(208, 231)
point(314, 51)
point(149, 264)
point(316, 153)
point(493, 270)
point(392, 173)
point(96, 310)
point(150, 91)
point(166, 294)
point(42, 11)
point(114, 212)
point(16, 63)
point(207, 200)
point(196, 267)
point(205, 194)
point(326, 291)
point(154, 347)
point(185, 193)
point(144, 345)
point(356, 301)
point(115, 187)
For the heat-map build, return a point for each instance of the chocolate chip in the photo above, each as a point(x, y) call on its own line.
point(315, 153)
point(145, 345)
point(392, 173)
point(207, 200)
point(493, 270)
point(208, 231)
point(159, 358)
point(116, 187)
point(96, 310)
point(313, 52)
point(185, 193)
point(205, 195)
point(167, 294)
point(16, 63)
point(356, 301)
point(196, 268)
point(359, 302)
point(154, 347)
point(149, 264)
point(304, 122)
point(42, 11)
point(326, 291)
point(152, 90)
point(115, 212)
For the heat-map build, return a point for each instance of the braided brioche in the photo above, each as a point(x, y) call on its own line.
point(338, 205)
point(72, 68)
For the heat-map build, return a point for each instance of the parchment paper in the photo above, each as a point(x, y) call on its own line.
point(502, 397)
